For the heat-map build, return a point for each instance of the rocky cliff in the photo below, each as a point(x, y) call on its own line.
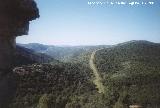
point(14, 21)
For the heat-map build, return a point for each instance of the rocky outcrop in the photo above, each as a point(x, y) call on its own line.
point(7, 45)
point(14, 21)
point(15, 16)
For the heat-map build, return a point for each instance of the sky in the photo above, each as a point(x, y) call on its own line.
point(75, 22)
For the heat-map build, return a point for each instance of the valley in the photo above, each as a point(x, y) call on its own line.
point(88, 76)
point(96, 75)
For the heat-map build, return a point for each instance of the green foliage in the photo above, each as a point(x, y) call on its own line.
point(43, 101)
point(24, 56)
point(52, 86)
point(130, 73)
point(80, 54)
point(133, 68)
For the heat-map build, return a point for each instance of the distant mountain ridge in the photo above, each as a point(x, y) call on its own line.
point(24, 56)
point(62, 53)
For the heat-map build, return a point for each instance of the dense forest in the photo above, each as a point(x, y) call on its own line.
point(131, 71)
point(59, 85)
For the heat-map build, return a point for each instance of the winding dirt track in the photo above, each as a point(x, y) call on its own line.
point(98, 80)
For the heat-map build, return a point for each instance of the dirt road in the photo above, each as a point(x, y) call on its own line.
point(98, 80)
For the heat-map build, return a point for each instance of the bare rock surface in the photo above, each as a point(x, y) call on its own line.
point(14, 21)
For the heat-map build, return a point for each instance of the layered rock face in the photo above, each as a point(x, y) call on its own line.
point(14, 21)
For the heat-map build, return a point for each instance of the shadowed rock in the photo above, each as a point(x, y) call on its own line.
point(15, 16)
point(14, 21)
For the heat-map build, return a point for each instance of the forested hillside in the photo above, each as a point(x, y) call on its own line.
point(131, 71)
point(24, 56)
point(65, 53)
point(52, 86)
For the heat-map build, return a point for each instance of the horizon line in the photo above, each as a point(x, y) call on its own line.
point(85, 44)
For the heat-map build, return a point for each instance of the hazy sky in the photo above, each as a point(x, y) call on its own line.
point(74, 22)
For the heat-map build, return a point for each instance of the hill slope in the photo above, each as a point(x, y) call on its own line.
point(25, 56)
point(54, 86)
point(131, 71)
point(65, 53)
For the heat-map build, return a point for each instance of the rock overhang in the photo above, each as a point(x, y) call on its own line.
point(15, 16)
